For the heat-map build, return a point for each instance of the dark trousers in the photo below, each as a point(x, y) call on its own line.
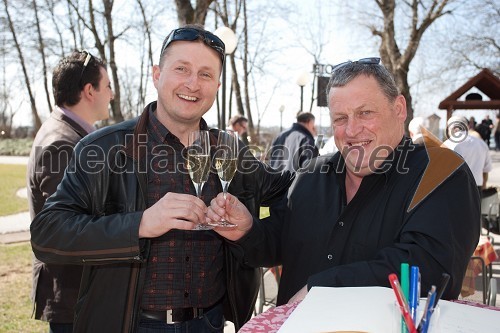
point(60, 328)
point(210, 322)
point(497, 141)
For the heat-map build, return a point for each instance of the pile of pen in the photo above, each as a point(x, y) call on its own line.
point(408, 297)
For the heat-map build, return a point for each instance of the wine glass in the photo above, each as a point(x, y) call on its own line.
point(198, 164)
point(226, 161)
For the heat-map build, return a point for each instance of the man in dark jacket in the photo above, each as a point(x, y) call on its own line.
point(295, 147)
point(126, 209)
point(352, 218)
point(82, 93)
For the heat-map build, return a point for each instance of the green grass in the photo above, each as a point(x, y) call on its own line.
point(15, 288)
point(12, 178)
point(16, 147)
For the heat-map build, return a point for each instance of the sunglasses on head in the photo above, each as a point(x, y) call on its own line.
point(85, 63)
point(191, 34)
point(365, 61)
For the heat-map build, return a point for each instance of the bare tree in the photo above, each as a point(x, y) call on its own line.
point(246, 86)
point(257, 53)
point(50, 8)
point(396, 27)
point(396, 57)
point(222, 11)
point(186, 14)
point(101, 42)
point(315, 37)
point(41, 49)
point(6, 111)
point(73, 26)
point(144, 77)
point(260, 114)
point(249, 60)
point(111, 37)
point(478, 46)
point(130, 89)
point(37, 123)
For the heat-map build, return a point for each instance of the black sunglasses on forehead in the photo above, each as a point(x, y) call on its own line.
point(191, 34)
point(365, 61)
point(85, 63)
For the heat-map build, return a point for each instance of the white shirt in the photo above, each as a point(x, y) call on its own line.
point(329, 147)
point(476, 154)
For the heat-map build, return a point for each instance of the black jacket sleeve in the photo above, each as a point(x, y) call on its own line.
point(79, 223)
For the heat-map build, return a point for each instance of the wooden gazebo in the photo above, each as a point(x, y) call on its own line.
point(486, 82)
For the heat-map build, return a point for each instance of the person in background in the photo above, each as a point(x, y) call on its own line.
point(239, 123)
point(472, 123)
point(474, 151)
point(496, 133)
point(126, 209)
point(415, 130)
point(472, 128)
point(488, 125)
point(482, 129)
point(82, 92)
point(351, 219)
point(295, 147)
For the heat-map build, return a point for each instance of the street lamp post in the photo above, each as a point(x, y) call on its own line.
point(282, 108)
point(230, 41)
point(302, 80)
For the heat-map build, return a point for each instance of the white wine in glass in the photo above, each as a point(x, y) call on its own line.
point(198, 164)
point(226, 163)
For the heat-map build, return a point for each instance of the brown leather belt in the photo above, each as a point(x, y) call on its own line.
point(175, 315)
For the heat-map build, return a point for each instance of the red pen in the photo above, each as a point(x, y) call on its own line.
point(403, 304)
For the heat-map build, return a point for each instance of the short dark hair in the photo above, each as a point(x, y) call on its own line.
point(347, 72)
point(305, 117)
point(71, 75)
point(194, 32)
point(237, 119)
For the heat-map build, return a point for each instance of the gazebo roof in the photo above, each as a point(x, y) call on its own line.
point(486, 82)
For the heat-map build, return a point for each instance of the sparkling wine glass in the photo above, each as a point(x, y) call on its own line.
point(226, 161)
point(198, 164)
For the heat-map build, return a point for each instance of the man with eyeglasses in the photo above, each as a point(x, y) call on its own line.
point(351, 218)
point(82, 93)
point(127, 208)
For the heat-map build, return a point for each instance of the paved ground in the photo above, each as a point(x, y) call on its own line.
point(15, 228)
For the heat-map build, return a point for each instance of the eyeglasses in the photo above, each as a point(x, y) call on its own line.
point(85, 63)
point(365, 61)
point(191, 34)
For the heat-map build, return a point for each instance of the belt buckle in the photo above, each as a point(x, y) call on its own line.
point(169, 318)
point(186, 315)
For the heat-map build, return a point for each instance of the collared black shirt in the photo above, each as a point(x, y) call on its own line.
point(185, 268)
point(322, 241)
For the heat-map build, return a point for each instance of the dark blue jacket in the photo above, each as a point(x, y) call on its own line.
point(292, 149)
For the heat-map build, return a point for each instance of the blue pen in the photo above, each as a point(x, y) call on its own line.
point(431, 298)
point(414, 291)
